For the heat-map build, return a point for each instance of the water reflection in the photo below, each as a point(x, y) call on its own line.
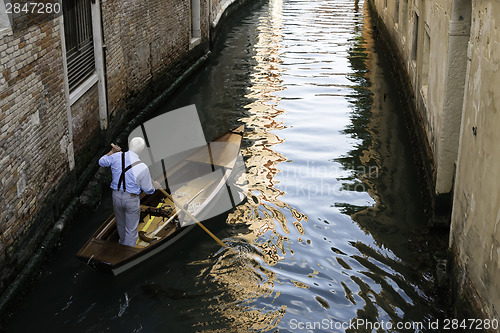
point(247, 285)
point(301, 92)
point(265, 212)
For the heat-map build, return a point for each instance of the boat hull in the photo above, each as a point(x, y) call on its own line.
point(125, 266)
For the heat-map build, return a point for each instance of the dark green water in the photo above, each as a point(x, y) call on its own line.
point(334, 229)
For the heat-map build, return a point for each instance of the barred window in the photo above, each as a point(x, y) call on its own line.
point(79, 41)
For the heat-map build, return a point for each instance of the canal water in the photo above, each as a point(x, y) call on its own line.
point(334, 230)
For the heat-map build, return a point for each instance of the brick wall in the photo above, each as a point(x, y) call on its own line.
point(85, 125)
point(33, 125)
point(147, 48)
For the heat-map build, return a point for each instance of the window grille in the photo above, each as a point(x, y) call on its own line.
point(79, 41)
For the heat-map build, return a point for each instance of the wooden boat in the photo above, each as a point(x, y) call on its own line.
point(160, 216)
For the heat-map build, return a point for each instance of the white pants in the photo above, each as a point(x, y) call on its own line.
point(127, 212)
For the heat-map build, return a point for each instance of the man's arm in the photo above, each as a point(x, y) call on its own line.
point(114, 149)
point(146, 183)
point(104, 161)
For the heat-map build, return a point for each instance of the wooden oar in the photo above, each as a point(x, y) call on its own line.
point(188, 214)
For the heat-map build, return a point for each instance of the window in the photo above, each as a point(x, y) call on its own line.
point(415, 38)
point(425, 64)
point(79, 41)
point(405, 13)
point(195, 19)
point(396, 12)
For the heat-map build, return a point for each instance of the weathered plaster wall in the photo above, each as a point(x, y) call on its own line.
point(431, 46)
point(475, 233)
point(454, 76)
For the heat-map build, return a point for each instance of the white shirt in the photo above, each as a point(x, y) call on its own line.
point(136, 179)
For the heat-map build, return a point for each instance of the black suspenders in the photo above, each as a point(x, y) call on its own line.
point(125, 169)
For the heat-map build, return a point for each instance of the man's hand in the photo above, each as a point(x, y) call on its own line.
point(114, 149)
point(156, 185)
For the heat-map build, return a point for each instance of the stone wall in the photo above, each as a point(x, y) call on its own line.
point(431, 39)
point(475, 233)
point(451, 55)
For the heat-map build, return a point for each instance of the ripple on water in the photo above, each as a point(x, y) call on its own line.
point(311, 153)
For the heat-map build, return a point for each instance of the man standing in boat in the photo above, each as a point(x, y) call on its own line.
point(129, 177)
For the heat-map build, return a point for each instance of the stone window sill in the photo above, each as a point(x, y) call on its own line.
point(5, 32)
point(76, 94)
point(194, 42)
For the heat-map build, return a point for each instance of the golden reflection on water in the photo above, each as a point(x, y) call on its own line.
point(242, 280)
point(240, 271)
point(264, 211)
